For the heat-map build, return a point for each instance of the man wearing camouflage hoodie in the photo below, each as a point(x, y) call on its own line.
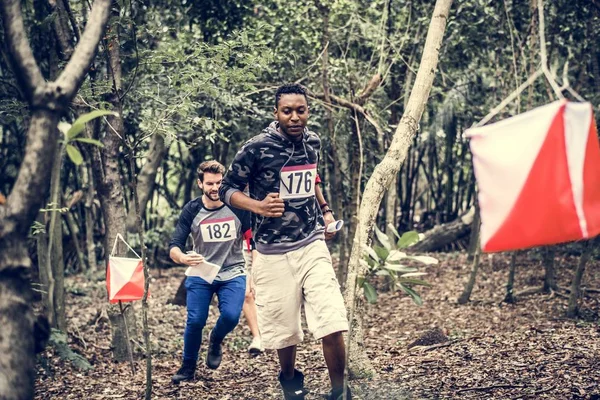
point(293, 267)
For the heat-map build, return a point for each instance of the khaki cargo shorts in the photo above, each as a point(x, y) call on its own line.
point(284, 283)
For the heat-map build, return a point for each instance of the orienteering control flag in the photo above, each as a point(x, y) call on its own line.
point(125, 279)
point(538, 175)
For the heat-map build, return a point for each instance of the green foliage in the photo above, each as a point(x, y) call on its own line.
point(386, 260)
point(71, 134)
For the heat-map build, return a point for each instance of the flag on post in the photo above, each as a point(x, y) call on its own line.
point(538, 175)
point(125, 279)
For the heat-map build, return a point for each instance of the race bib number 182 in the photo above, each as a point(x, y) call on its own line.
point(298, 181)
point(218, 230)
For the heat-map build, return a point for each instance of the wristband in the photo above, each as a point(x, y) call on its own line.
point(323, 205)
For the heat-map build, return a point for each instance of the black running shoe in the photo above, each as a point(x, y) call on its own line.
point(293, 389)
point(185, 373)
point(214, 353)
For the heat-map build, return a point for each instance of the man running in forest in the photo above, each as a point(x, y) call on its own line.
point(293, 266)
point(217, 232)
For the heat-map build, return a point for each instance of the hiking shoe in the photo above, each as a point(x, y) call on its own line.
point(255, 347)
point(185, 373)
point(214, 353)
point(293, 389)
point(338, 394)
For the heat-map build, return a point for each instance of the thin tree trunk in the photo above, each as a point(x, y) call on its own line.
point(475, 230)
point(510, 285)
point(55, 266)
point(466, 294)
point(140, 231)
point(573, 307)
point(110, 192)
point(74, 231)
point(391, 197)
point(381, 179)
point(147, 176)
point(90, 221)
point(549, 275)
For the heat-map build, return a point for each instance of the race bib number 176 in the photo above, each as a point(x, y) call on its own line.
point(218, 230)
point(298, 181)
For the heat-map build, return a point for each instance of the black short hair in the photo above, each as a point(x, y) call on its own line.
point(212, 166)
point(290, 88)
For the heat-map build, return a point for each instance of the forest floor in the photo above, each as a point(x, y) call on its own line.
point(496, 350)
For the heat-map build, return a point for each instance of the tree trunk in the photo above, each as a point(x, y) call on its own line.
point(475, 231)
point(74, 232)
point(54, 261)
point(381, 179)
point(444, 234)
point(573, 307)
point(90, 220)
point(47, 100)
point(466, 294)
point(391, 198)
point(147, 176)
point(549, 275)
point(510, 285)
point(111, 194)
point(140, 231)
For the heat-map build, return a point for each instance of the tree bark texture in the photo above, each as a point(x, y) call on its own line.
point(47, 101)
point(147, 176)
point(549, 271)
point(466, 294)
point(444, 234)
point(110, 191)
point(510, 285)
point(382, 177)
point(573, 306)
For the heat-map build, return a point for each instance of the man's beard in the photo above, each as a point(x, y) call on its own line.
point(213, 196)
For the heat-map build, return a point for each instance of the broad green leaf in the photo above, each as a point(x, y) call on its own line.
point(413, 274)
point(360, 281)
point(366, 262)
point(412, 281)
point(74, 154)
point(408, 239)
point(382, 272)
point(394, 230)
point(425, 259)
point(371, 252)
point(90, 141)
point(395, 256)
point(399, 268)
point(370, 293)
point(80, 122)
point(414, 295)
point(383, 239)
point(381, 252)
point(64, 127)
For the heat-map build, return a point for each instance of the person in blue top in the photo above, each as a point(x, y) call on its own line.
point(218, 232)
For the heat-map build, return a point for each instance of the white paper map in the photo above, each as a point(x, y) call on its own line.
point(207, 271)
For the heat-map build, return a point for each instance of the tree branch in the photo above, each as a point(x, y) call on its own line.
point(25, 68)
point(72, 77)
point(350, 105)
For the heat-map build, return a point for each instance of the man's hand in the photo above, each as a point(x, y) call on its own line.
point(271, 206)
point(328, 217)
point(191, 258)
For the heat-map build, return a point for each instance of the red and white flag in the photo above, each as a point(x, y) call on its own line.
point(125, 279)
point(538, 175)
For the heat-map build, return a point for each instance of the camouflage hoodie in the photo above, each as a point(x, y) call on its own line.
point(272, 163)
